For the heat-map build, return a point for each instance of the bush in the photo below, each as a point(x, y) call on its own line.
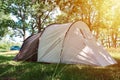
point(5, 46)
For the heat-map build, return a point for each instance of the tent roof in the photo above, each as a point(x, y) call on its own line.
point(71, 43)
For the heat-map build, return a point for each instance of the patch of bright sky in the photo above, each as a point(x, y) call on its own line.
point(13, 17)
point(15, 39)
point(55, 12)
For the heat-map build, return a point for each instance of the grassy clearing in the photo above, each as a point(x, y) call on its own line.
point(11, 70)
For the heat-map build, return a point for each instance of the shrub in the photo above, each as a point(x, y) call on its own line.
point(5, 46)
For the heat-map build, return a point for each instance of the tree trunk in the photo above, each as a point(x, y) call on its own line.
point(39, 24)
point(114, 39)
point(24, 34)
point(108, 41)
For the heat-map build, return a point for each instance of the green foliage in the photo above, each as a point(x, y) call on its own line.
point(30, 16)
point(5, 24)
point(38, 71)
point(4, 20)
point(99, 15)
point(34, 15)
point(42, 13)
point(5, 46)
point(21, 10)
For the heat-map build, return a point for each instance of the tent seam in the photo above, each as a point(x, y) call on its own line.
point(64, 40)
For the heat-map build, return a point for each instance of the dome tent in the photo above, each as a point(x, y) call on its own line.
point(70, 43)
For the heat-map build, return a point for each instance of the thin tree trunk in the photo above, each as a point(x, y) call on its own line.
point(24, 34)
point(114, 39)
point(39, 24)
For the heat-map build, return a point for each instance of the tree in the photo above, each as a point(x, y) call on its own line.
point(79, 10)
point(42, 12)
point(17, 8)
point(5, 20)
point(20, 9)
point(31, 16)
point(100, 16)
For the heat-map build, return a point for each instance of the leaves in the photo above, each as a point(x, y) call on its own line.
point(34, 15)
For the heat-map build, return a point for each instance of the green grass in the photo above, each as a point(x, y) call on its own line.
point(11, 70)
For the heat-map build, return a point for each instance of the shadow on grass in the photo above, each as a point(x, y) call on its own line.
point(3, 51)
point(117, 65)
point(5, 58)
point(38, 71)
point(26, 71)
point(86, 73)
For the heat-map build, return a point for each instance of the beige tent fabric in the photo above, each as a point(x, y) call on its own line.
point(81, 47)
point(71, 43)
point(51, 43)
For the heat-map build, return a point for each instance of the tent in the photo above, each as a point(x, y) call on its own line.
point(70, 43)
point(28, 51)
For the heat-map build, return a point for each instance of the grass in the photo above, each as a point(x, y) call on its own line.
point(11, 70)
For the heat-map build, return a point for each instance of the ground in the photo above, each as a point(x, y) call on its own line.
point(11, 70)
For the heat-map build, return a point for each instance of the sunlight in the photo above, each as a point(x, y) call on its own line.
point(13, 17)
point(110, 13)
